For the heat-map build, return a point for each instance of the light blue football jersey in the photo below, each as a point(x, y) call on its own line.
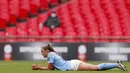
point(58, 62)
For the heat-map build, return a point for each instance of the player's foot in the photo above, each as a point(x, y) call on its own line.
point(121, 66)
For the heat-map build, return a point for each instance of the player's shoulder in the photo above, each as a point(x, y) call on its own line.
point(51, 54)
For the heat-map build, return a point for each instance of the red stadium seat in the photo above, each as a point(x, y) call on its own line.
point(13, 10)
point(22, 31)
point(11, 31)
point(34, 6)
point(57, 33)
point(4, 13)
point(24, 8)
point(33, 36)
point(44, 4)
point(54, 2)
point(22, 26)
point(42, 17)
point(70, 37)
point(33, 23)
point(82, 36)
point(127, 3)
point(45, 33)
point(22, 36)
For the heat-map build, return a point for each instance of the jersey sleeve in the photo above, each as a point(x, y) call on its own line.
point(50, 58)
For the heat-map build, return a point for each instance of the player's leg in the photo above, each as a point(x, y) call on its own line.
point(87, 66)
point(103, 66)
point(106, 66)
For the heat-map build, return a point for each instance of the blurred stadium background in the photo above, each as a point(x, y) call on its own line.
point(89, 30)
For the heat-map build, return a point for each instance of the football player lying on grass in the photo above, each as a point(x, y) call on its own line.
point(57, 62)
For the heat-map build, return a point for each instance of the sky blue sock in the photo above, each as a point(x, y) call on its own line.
point(106, 66)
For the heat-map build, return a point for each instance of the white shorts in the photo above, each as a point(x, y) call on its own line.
point(75, 64)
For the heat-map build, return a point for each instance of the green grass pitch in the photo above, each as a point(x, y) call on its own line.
point(25, 67)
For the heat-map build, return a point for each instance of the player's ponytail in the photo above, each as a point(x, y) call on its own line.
point(48, 47)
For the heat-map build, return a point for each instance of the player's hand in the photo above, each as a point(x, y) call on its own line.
point(35, 67)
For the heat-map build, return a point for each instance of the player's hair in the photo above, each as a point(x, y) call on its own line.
point(48, 47)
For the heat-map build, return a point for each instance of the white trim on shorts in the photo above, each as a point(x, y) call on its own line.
point(75, 64)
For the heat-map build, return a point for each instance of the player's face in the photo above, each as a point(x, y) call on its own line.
point(44, 53)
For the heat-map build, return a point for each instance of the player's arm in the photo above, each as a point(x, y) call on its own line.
point(50, 67)
point(50, 63)
point(38, 67)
